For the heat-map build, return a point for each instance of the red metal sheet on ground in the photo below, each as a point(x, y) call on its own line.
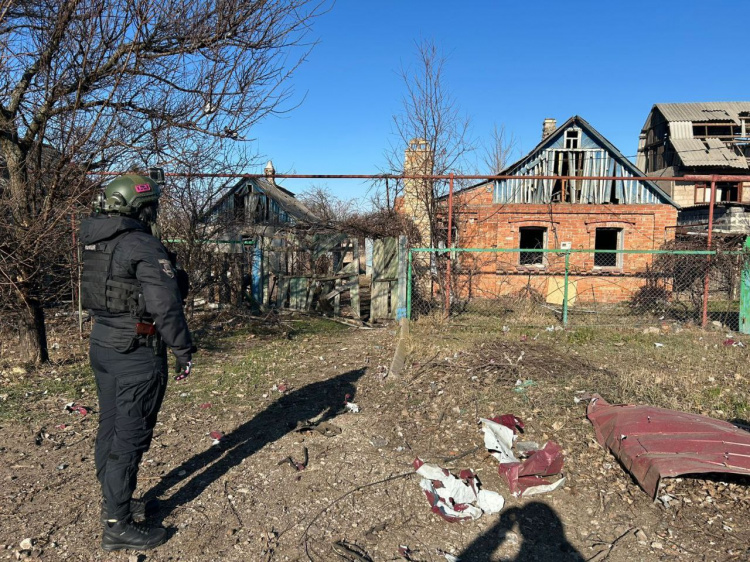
point(654, 443)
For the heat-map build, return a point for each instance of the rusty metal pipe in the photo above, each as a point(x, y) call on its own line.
point(448, 255)
point(444, 177)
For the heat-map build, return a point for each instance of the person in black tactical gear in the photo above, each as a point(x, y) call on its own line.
point(129, 285)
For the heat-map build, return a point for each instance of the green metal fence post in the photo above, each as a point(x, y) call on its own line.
point(745, 292)
point(408, 288)
point(565, 290)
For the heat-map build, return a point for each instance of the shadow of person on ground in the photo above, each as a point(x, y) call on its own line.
point(542, 537)
point(325, 397)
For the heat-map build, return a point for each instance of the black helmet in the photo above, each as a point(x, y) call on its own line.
point(126, 195)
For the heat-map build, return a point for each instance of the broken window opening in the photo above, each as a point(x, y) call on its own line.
point(727, 192)
point(608, 239)
point(613, 193)
point(745, 126)
point(238, 207)
point(532, 238)
point(557, 187)
point(572, 138)
point(261, 209)
point(715, 130)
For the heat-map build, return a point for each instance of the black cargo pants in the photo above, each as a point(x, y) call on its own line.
point(131, 388)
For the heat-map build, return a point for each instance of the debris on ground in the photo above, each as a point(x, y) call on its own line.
point(324, 428)
point(449, 557)
point(298, 466)
point(217, 436)
point(71, 407)
point(524, 478)
point(378, 441)
point(41, 435)
point(405, 552)
point(523, 386)
point(456, 498)
point(498, 438)
point(350, 406)
point(350, 552)
point(731, 342)
point(654, 443)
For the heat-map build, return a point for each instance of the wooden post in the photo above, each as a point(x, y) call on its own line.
point(257, 275)
point(377, 309)
point(354, 291)
point(281, 291)
point(266, 273)
point(401, 299)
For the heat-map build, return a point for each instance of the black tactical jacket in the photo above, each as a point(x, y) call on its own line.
point(140, 257)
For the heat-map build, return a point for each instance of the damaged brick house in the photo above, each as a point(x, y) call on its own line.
point(680, 139)
point(627, 213)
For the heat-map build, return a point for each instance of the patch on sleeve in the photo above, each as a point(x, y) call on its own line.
point(166, 267)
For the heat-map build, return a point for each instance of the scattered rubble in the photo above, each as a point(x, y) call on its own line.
point(456, 499)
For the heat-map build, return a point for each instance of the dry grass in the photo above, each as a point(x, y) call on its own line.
point(686, 369)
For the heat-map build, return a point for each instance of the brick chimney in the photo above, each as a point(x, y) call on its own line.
point(417, 194)
point(548, 127)
point(269, 172)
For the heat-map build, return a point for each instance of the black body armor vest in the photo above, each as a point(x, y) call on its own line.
point(103, 292)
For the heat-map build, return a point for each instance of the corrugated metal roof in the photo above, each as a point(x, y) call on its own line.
point(283, 197)
point(701, 112)
point(693, 152)
point(288, 202)
point(681, 130)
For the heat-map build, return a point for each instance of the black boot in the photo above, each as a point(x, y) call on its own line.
point(140, 509)
point(130, 535)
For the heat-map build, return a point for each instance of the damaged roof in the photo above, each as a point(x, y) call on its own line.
point(711, 152)
point(283, 197)
point(654, 443)
point(703, 112)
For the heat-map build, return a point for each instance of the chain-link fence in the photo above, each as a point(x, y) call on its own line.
point(543, 287)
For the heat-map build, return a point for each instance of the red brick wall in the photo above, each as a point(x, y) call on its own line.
point(483, 224)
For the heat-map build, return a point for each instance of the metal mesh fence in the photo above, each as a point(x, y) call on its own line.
point(541, 287)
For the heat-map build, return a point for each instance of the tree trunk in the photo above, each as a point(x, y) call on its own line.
point(225, 286)
point(32, 333)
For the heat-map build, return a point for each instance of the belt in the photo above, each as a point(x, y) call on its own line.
point(127, 338)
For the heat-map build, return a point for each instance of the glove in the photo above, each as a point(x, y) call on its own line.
point(183, 370)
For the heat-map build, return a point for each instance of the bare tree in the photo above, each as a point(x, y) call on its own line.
point(498, 151)
point(91, 85)
point(431, 117)
point(325, 205)
point(208, 244)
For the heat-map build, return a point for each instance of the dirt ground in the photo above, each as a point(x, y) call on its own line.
point(256, 381)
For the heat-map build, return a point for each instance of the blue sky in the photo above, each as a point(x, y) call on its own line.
point(508, 63)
